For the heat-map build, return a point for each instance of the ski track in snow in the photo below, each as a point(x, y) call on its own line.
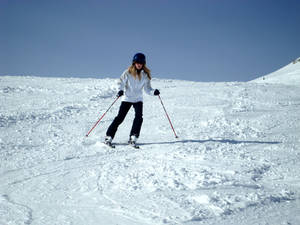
point(236, 160)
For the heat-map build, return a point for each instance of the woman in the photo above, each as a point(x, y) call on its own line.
point(131, 84)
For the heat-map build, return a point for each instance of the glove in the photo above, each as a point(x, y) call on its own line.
point(156, 92)
point(120, 93)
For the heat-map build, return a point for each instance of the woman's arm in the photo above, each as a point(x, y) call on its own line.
point(147, 87)
point(122, 81)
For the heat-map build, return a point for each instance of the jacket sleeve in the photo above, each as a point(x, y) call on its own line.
point(147, 87)
point(122, 81)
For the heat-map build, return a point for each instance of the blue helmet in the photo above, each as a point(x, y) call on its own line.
point(139, 58)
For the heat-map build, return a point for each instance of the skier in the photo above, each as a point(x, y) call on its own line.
point(131, 84)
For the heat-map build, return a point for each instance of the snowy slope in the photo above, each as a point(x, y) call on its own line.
point(236, 160)
point(289, 74)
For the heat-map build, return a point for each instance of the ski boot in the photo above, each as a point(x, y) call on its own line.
point(108, 142)
point(132, 141)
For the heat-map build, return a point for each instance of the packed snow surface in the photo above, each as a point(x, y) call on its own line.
point(236, 160)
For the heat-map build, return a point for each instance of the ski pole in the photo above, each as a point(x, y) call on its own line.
point(101, 117)
point(167, 116)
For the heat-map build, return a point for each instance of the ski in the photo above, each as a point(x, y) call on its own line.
point(134, 146)
point(109, 144)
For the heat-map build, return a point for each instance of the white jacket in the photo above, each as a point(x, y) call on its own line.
point(133, 88)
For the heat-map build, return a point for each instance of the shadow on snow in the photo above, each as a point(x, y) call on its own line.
point(212, 140)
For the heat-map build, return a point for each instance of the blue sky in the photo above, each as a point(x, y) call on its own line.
point(200, 40)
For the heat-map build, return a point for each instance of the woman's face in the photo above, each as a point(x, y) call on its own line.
point(138, 66)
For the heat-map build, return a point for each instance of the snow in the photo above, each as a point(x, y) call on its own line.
point(289, 74)
point(236, 160)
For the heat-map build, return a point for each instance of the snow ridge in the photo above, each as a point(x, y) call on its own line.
point(289, 75)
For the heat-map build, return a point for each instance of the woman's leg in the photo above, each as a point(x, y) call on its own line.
point(138, 119)
point(112, 129)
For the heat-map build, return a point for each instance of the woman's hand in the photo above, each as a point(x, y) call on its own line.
point(120, 93)
point(156, 92)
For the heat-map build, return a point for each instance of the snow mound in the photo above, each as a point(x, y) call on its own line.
point(289, 74)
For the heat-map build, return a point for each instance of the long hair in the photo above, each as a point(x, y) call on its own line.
point(132, 70)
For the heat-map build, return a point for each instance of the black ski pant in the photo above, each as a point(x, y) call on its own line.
point(137, 122)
